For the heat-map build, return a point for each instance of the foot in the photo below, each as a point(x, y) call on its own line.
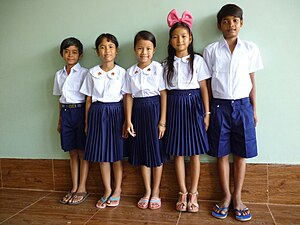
point(101, 204)
point(193, 205)
point(243, 215)
point(67, 198)
point(143, 203)
point(181, 205)
point(220, 212)
point(78, 198)
point(113, 201)
point(155, 203)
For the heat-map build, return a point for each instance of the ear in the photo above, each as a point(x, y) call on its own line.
point(191, 38)
point(154, 50)
point(80, 56)
point(219, 26)
point(242, 23)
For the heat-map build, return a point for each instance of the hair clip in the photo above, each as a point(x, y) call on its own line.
point(186, 18)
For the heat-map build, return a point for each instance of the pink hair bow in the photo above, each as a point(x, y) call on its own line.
point(186, 18)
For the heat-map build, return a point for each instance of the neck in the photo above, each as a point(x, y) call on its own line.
point(68, 68)
point(181, 54)
point(107, 66)
point(231, 43)
point(143, 65)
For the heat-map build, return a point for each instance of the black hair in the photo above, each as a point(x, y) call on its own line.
point(109, 37)
point(229, 10)
point(145, 35)
point(71, 41)
point(169, 69)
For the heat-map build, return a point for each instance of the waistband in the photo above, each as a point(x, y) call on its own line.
point(147, 99)
point(241, 101)
point(184, 92)
point(120, 103)
point(72, 106)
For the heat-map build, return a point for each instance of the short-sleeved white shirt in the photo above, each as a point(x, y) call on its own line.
point(182, 73)
point(144, 82)
point(104, 86)
point(68, 86)
point(230, 72)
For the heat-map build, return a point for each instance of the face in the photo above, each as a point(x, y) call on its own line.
point(144, 51)
point(230, 26)
point(71, 55)
point(180, 41)
point(107, 51)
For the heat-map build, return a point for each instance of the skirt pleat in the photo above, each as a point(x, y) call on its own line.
point(104, 139)
point(145, 147)
point(185, 133)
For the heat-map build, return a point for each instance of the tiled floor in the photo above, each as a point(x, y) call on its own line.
point(18, 207)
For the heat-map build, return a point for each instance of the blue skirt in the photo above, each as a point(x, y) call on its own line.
point(185, 133)
point(104, 139)
point(145, 147)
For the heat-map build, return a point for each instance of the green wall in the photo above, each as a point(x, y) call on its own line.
point(32, 30)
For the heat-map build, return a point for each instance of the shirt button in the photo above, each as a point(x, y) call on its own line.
point(190, 94)
point(218, 106)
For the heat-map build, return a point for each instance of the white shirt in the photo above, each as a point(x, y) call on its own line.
point(104, 86)
point(68, 86)
point(182, 73)
point(144, 82)
point(230, 72)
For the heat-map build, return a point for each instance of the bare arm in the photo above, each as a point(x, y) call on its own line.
point(128, 113)
point(205, 98)
point(58, 128)
point(163, 114)
point(87, 109)
point(253, 97)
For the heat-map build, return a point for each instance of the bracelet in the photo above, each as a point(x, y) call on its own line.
point(162, 124)
point(207, 113)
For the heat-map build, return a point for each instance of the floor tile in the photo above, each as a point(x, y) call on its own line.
point(285, 214)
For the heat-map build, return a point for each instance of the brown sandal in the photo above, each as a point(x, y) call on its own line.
point(193, 205)
point(181, 205)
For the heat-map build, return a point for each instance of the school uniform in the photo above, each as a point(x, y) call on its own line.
point(72, 112)
point(106, 114)
point(145, 85)
point(185, 133)
point(232, 128)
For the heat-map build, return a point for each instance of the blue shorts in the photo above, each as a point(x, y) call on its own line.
point(72, 128)
point(232, 128)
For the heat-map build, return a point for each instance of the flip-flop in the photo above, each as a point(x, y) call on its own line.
point(101, 204)
point(155, 203)
point(78, 195)
point(67, 198)
point(242, 217)
point(143, 203)
point(113, 202)
point(220, 215)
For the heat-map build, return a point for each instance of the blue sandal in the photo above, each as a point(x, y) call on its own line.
point(101, 204)
point(217, 212)
point(242, 217)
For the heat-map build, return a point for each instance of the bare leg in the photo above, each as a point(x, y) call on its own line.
point(106, 178)
point(224, 179)
point(157, 173)
point(146, 174)
point(195, 172)
point(74, 166)
point(239, 176)
point(118, 173)
point(180, 173)
point(84, 170)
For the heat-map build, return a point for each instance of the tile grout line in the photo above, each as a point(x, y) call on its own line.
point(25, 208)
point(271, 214)
point(91, 217)
point(178, 218)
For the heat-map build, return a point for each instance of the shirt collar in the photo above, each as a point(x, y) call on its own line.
point(100, 72)
point(184, 59)
point(147, 70)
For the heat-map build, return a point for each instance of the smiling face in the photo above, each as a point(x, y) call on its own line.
point(144, 51)
point(180, 41)
point(71, 55)
point(107, 51)
point(230, 26)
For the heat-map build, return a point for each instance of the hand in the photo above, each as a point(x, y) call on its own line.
point(255, 119)
point(58, 128)
point(206, 121)
point(86, 129)
point(130, 129)
point(124, 131)
point(161, 131)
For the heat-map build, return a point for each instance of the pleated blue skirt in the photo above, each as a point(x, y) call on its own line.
point(185, 133)
point(104, 139)
point(145, 147)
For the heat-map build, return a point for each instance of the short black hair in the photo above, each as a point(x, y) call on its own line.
point(229, 10)
point(145, 35)
point(71, 41)
point(109, 37)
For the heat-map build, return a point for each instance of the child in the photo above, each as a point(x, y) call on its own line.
point(72, 116)
point(232, 63)
point(187, 108)
point(105, 117)
point(145, 111)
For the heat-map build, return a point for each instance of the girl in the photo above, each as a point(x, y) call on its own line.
point(105, 117)
point(145, 111)
point(188, 106)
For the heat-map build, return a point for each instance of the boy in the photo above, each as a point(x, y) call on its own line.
point(232, 63)
point(71, 122)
